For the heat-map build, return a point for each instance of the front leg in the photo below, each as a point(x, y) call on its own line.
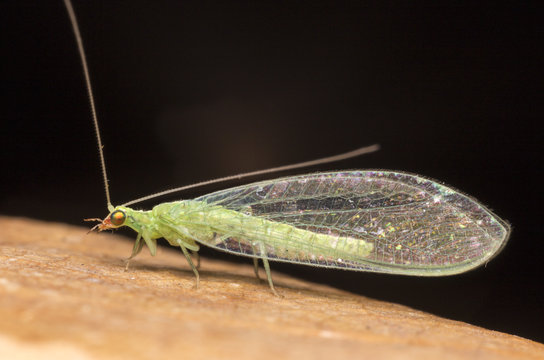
point(138, 246)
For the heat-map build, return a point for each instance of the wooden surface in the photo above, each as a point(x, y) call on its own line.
point(67, 295)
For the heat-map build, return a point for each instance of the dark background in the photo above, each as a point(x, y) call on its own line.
point(188, 91)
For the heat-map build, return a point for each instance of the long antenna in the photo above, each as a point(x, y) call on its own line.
point(75, 28)
point(357, 152)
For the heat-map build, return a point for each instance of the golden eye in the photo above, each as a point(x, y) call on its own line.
point(118, 217)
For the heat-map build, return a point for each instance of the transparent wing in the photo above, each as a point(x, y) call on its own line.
point(415, 225)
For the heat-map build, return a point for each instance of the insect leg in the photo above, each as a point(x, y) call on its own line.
point(190, 261)
point(256, 267)
point(196, 255)
point(255, 262)
point(138, 245)
point(267, 269)
point(249, 211)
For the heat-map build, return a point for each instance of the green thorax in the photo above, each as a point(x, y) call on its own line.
point(157, 223)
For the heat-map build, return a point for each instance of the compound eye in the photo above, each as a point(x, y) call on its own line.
point(118, 217)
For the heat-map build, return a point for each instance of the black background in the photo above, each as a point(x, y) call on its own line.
point(188, 91)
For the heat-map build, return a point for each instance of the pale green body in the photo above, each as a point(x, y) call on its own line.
point(189, 222)
point(380, 221)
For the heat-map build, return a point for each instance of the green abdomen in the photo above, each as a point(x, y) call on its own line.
point(245, 234)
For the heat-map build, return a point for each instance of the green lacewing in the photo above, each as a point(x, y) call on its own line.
point(365, 220)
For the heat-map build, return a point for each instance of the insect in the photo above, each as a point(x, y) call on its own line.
point(369, 220)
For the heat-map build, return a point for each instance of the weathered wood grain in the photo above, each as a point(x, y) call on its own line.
point(67, 295)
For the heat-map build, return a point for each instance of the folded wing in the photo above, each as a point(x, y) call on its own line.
point(414, 225)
